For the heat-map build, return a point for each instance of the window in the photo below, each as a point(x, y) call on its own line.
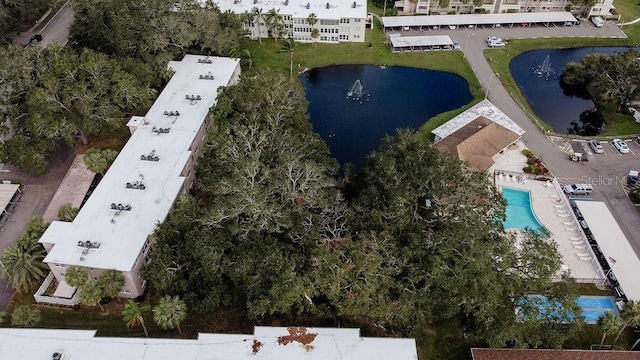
point(144, 283)
point(60, 266)
point(145, 247)
point(135, 263)
point(63, 274)
point(356, 36)
point(356, 20)
point(125, 292)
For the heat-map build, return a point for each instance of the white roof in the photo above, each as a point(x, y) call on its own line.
point(328, 344)
point(478, 19)
point(409, 41)
point(298, 8)
point(121, 236)
point(614, 245)
point(483, 108)
point(6, 194)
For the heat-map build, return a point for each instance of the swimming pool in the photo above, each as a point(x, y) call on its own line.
point(592, 307)
point(519, 212)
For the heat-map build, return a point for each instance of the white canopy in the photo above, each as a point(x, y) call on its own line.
point(479, 19)
point(614, 245)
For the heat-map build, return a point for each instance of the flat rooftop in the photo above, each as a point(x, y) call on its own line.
point(615, 246)
point(483, 108)
point(298, 8)
point(121, 234)
point(265, 343)
point(408, 41)
point(478, 19)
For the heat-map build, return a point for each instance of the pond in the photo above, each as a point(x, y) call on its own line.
point(538, 75)
point(354, 106)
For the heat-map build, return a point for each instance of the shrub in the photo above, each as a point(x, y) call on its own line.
point(528, 153)
point(634, 196)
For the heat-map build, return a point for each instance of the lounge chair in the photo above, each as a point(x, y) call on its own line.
point(571, 229)
point(575, 238)
point(563, 215)
point(568, 223)
point(576, 246)
point(584, 258)
point(583, 255)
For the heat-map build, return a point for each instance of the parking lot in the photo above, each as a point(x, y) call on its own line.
point(609, 150)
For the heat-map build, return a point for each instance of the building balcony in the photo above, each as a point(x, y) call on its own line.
point(56, 293)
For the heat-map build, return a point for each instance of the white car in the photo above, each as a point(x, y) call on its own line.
point(456, 45)
point(596, 146)
point(620, 145)
point(496, 44)
point(491, 39)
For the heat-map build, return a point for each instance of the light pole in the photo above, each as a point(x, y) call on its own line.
point(486, 94)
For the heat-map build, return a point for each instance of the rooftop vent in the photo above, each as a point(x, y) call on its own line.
point(138, 185)
point(173, 113)
point(120, 207)
point(286, 2)
point(328, 6)
point(56, 356)
point(354, 5)
point(236, 1)
point(150, 157)
point(160, 130)
point(205, 61)
point(308, 6)
point(255, 2)
point(193, 97)
point(207, 76)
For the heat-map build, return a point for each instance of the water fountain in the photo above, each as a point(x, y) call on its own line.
point(357, 92)
point(545, 70)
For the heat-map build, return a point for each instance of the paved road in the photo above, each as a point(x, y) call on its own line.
point(604, 171)
point(55, 31)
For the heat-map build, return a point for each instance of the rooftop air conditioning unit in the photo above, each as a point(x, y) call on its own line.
point(56, 356)
point(354, 5)
point(328, 6)
point(143, 157)
point(286, 2)
point(80, 243)
point(198, 97)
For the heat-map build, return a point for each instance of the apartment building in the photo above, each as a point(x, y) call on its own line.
point(602, 8)
point(338, 20)
point(156, 166)
point(266, 343)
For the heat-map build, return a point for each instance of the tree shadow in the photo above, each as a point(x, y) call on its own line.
point(590, 123)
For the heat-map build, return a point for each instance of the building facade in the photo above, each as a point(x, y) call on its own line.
point(113, 231)
point(602, 8)
point(337, 20)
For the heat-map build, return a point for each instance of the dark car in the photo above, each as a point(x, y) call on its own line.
point(35, 38)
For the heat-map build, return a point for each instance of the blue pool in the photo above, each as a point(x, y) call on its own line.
point(592, 307)
point(519, 212)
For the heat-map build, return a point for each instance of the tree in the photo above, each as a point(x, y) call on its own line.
point(312, 20)
point(91, 294)
point(99, 160)
point(25, 316)
point(77, 276)
point(67, 212)
point(257, 14)
point(170, 312)
point(630, 315)
point(274, 23)
point(110, 283)
point(22, 265)
point(33, 231)
point(243, 54)
point(289, 45)
point(132, 314)
point(610, 323)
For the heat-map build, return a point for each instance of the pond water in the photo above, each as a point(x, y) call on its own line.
point(353, 106)
point(538, 75)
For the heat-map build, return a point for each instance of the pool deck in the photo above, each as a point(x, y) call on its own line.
point(550, 212)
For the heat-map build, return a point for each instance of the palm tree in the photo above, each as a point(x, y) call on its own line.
point(273, 20)
point(91, 294)
point(243, 54)
point(312, 20)
point(630, 315)
point(256, 14)
point(76, 276)
point(170, 312)
point(22, 265)
point(67, 212)
point(25, 316)
point(610, 323)
point(289, 45)
point(110, 283)
point(132, 315)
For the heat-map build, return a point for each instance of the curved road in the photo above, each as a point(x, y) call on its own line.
point(604, 171)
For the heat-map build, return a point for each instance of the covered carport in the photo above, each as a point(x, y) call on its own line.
point(9, 196)
point(420, 43)
point(421, 23)
point(617, 253)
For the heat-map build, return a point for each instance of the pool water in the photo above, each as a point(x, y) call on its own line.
point(592, 307)
point(519, 213)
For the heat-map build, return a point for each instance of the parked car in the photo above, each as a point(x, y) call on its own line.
point(496, 44)
point(597, 21)
point(35, 38)
point(491, 39)
point(633, 177)
point(578, 189)
point(620, 145)
point(456, 45)
point(596, 146)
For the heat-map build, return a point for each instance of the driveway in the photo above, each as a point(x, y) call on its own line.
point(604, 171)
